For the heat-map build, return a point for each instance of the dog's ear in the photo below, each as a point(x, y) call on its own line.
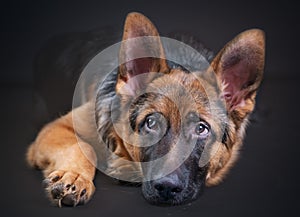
point(139, 53)
point(239, 70)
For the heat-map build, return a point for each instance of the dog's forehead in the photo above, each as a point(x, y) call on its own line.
point(188, 91)
point(181, 83)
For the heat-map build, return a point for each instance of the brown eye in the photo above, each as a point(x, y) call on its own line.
point(155, 123)
point(151, 122)
point(202, 129)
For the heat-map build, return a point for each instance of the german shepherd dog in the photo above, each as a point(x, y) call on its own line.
point(164, 105)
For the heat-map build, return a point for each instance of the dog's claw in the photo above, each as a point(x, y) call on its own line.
point(68, 188)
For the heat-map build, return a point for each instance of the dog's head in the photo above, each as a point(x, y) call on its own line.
point(185, 127)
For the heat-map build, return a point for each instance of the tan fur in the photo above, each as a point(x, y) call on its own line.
point(59, 153)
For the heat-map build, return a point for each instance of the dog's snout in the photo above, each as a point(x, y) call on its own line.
point(167, 189)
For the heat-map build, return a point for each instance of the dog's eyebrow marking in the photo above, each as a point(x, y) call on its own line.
point(136, 107)
point(193, 117)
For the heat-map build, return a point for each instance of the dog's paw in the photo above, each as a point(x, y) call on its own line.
point(68, 188)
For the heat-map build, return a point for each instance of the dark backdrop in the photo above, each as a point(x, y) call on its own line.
point(265, 182)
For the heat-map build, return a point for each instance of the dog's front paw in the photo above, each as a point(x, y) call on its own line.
point(68, 188)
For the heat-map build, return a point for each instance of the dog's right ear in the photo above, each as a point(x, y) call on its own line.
point(139, 53)
point(239, 70)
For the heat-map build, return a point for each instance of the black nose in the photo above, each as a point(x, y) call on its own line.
point(167, 189)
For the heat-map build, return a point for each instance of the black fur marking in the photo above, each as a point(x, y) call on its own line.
point(225, 137)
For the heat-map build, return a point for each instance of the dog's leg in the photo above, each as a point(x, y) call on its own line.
point(67, 163)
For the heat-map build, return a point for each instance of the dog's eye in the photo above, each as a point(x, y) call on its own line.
point(151, 122)
point(201, 129)
point(155, 122)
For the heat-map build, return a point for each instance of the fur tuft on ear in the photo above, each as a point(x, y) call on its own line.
point(239, 70)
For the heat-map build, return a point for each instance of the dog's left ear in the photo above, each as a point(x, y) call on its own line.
point(139, 53)
point(239, 69)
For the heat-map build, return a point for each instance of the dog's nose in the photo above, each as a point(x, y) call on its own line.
point(167, 189)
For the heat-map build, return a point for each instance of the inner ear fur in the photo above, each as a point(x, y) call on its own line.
point(239, 70)
point(141, 52)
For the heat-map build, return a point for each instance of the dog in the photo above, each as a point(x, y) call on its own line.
point(179, 130)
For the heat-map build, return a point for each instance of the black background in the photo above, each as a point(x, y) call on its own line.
point(265, 181)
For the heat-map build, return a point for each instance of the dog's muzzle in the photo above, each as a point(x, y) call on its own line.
point(173, 189)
